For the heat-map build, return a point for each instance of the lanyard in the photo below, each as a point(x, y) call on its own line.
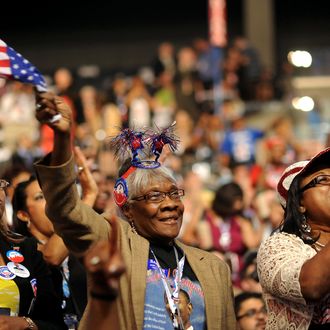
point(65, 277)
point(173, 294)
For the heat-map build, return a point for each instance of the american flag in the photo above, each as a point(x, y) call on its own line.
point(14, 66)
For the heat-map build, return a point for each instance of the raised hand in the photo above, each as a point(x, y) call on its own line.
point(49, 107)
point(105, 265)
point(87, 181)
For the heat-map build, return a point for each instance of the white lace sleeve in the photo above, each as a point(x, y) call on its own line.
point(280, 259)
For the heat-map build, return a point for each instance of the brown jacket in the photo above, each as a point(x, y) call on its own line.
point(80, 226)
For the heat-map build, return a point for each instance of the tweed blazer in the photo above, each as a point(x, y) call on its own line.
point(80, 226)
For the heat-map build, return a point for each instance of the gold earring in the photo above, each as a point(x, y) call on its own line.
point(302, 209)
point(133, 227)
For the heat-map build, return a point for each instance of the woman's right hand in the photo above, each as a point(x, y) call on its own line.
point(50, 105)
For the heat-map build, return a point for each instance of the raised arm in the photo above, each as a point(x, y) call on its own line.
point(74, 221)
point(315, 276)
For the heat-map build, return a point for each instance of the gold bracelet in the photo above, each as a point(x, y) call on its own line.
point(31, 324)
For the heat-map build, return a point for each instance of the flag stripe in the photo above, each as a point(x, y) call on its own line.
point(5, 71)
point(4, 63)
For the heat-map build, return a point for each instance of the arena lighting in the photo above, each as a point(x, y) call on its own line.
point(300, 58)
point(304, 103)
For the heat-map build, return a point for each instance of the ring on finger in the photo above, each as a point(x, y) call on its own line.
point(38, 106)
point(80, 168)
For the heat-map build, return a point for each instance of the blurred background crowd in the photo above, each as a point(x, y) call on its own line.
point(228, 161)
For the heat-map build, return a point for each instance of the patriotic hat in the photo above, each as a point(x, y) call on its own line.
point(293, 170)
point(132, 142)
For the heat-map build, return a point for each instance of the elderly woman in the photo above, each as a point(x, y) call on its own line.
point(27, 296)
point(150, 201)
point(293, 263)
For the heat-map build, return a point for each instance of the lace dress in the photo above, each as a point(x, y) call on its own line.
point(280, 259)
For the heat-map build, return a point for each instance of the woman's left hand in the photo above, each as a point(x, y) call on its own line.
point(105, 264)
point(13, 323)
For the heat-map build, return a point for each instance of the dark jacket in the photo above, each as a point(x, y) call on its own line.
point(77, 300)
point(46, 310)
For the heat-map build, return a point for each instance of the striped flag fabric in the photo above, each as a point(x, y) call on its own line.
point(14, 66)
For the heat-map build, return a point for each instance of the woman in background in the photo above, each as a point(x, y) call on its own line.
point(27, 299)
point(293, 264)
point(30, 219)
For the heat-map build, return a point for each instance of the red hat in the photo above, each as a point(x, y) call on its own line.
point(293, 170)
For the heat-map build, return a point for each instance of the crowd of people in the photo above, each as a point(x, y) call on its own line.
point(225, 229)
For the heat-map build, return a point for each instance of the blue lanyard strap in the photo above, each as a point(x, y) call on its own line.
point(173, 294)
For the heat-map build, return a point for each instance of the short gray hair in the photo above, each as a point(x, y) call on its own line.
point(140, 179)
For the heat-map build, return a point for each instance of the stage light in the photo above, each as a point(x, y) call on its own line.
point(300, 58)
point(304, 103)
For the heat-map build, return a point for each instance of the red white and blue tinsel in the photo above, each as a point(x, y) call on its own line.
point(144, 148)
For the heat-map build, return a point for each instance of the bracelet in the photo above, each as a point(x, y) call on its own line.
point(31, 324)
point(101, 296)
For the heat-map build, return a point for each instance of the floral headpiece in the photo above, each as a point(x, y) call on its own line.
point(144, 148)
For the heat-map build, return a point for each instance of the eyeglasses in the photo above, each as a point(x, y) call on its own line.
point(3, 184)
point(323, 180)
point(253, 312)
point(159, 196)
